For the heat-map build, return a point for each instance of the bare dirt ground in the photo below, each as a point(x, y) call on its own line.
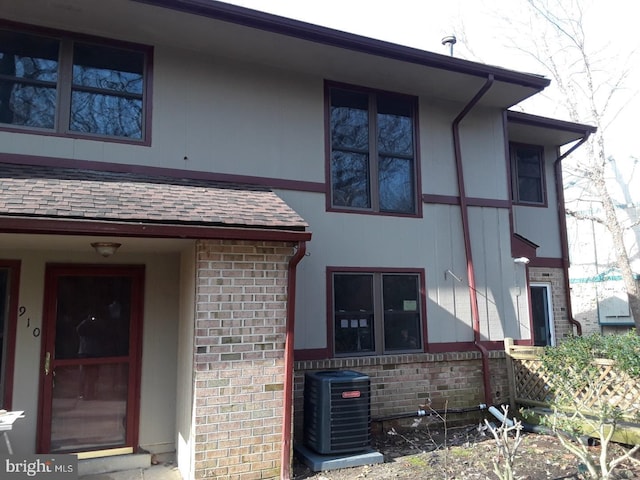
point(461, 453)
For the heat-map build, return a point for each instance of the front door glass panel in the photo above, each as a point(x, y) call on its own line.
point(93, 317)
point(89, 407)
point(90, 362)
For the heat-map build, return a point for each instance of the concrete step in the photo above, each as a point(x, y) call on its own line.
point(115, 463)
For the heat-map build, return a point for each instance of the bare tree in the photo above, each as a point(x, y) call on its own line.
point(591, 83)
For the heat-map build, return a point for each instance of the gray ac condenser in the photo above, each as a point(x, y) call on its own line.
point(337, 411)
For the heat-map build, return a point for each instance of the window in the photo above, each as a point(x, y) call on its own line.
point(376, 312)
point(528, 174)
point(63, 85)
point(373, 160)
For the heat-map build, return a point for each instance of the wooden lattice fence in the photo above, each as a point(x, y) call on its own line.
point(531, 386)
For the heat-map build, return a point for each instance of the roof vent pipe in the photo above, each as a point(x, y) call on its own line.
point(451, 41)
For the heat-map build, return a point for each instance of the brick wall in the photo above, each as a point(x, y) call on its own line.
point(239, 358)
point(555, 276)
point(401, 383)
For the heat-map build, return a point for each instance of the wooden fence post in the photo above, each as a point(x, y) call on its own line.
point(508, 345)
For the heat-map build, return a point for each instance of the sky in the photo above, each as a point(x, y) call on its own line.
point(487, 31)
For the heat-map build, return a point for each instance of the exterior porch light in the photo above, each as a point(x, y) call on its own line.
point(521, 260)
point(106, 249)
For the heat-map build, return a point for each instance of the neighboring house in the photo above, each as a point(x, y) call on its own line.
point(278, 191)
point(598, 294)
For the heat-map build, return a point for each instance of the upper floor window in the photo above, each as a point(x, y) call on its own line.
point(72, 86)
point(527, 168)
point(373, 158)
point(376, 312)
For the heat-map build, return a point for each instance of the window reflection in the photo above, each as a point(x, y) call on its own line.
point(368, 128)
point(28, 77)
point(350, 179)
point(396, 184)
point(107, 91)
point(395, 126)
point(106, 115)
point(93, 317)
point(102, 92)
point(528, 169)
point(107, 68)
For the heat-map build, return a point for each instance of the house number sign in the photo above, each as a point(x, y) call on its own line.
point(21, 312)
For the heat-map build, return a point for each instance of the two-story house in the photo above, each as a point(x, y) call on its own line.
point(199, 203)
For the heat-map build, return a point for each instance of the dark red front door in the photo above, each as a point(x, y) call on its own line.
point(90, 370)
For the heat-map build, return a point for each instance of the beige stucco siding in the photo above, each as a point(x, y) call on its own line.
point(159, 349)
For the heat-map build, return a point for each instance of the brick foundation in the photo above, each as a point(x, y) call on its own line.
point(239, 358)
point(401, 383)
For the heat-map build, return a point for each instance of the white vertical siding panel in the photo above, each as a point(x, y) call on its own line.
point(448, 306)
point(482, 145)
point(500, 315)
point(481, 247)
point(436, 140)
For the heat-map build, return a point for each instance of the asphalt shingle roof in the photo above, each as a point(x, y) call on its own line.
point(51, 192)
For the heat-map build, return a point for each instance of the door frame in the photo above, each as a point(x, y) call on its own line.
point(10, 331)
point(137, 274)
point(550, 319)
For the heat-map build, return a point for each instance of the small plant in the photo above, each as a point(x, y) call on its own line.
point(394, 432)
point(508, 439)
point(581, 397)
point(443, 418)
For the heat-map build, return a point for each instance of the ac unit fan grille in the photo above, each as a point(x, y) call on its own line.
point(350, 418)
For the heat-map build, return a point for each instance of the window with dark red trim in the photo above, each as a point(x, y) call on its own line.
point(376, 313)
point(66, 85)
point(527, 169)
point(372, 151)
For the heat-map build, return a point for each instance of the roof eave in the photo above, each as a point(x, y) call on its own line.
point(527, 128)
point(57, 226)
point(328, 36)
point(551, 123)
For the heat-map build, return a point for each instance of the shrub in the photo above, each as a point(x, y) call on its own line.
point(578, 353)
point(585, 395)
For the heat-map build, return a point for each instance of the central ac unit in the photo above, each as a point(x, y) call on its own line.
point(337, 411)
